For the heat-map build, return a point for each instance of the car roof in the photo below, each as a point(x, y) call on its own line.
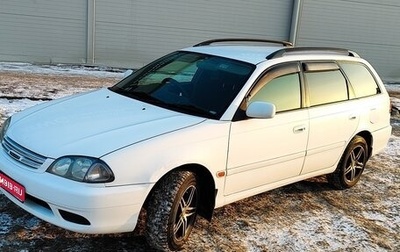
point(250, 54)
point(239, 49)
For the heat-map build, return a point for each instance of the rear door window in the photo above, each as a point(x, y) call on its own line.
point(325, 83)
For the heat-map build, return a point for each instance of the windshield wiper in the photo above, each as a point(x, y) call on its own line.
point(138, 95)
point(184, 108)
point(191, 109)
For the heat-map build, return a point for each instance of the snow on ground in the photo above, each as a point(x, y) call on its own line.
point(299, 217)
point(10, 107)
point(28, 84)
point(61, 69)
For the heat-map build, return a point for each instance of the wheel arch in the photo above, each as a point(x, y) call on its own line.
point(207, 187)
point(369, 139)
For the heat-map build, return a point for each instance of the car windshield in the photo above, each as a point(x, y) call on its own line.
point(187, 82)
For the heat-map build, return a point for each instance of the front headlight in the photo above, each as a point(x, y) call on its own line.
point(4, 128)
point(83, 169)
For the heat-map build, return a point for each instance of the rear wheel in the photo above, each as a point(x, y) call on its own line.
point(172, 211)
point(351, 165)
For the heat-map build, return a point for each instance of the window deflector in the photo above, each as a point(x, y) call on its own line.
point(320, 66)
point(269, 75)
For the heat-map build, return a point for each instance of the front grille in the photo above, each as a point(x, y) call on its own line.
point(22, 154)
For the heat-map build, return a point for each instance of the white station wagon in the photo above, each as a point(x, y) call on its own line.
point(193, 131)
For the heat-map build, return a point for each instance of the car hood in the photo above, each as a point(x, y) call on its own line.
point(92, 124)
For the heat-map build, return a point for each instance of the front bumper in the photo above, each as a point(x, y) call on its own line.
point(75, 206)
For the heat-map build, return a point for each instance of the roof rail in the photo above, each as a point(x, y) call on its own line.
point(311, 50)
point(212, 41)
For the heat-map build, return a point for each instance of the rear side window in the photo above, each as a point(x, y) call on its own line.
point(326, 87)
point(360, 78)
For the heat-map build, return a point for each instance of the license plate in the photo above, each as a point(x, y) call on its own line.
point(13, 187)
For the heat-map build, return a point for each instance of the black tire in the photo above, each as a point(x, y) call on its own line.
point(351, 165)
point(172, 211)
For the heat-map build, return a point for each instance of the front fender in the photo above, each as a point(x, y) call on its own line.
point(205, 144)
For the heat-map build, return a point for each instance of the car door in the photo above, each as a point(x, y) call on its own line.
point(266, 151)
point(333, 115)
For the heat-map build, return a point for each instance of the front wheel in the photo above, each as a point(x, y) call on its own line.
point(172, 211)
point(351, 165)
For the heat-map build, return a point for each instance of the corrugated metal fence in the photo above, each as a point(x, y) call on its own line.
point(129, 33)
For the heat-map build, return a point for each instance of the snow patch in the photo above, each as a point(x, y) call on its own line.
point(5, 223)
point(391, 154)
point(62, 69)
point(10, 107)
point(310, 231)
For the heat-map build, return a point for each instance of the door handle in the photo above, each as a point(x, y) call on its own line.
point(352, 117)
point(299, 129)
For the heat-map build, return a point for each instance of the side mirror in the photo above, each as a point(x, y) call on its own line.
point(127, 73)
point(260, 109)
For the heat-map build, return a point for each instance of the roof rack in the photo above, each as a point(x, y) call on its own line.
point(311, 50)
point(212, 41)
